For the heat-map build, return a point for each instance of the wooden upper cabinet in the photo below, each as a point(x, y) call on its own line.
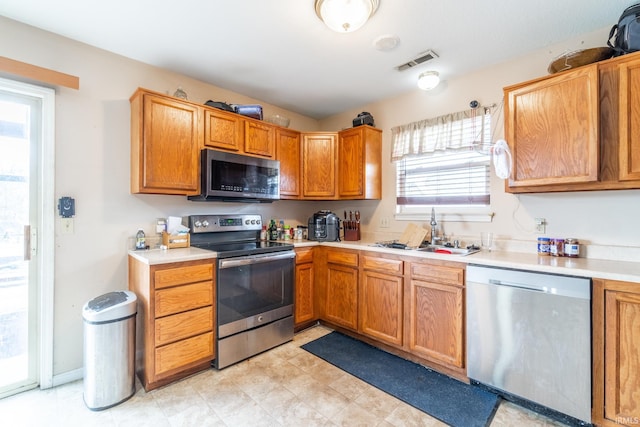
point(629, 99)
point(289, 153)
point(223, 130)
point(259, 139)
point(166, 137)
point(552, 127)
point(359, 163)
point(319, 151)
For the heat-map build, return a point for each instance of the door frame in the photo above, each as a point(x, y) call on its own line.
point(45, 228)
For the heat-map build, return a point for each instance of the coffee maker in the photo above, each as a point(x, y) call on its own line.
point(324, 226)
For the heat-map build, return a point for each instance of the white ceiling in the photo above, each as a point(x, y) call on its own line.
point(279, 51)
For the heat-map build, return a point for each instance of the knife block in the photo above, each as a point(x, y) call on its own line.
point(352, 234)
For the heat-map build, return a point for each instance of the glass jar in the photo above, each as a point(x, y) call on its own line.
point(556, 247)
point(572, 248)
point(543, 246)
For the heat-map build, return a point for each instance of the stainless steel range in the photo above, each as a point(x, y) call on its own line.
point(254, 285)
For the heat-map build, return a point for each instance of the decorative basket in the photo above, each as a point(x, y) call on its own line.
point(578, 58)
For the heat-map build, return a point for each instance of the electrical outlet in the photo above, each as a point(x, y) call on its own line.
point(384, 222)
point(541, 225)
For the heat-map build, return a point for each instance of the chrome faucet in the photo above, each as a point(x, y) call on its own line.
point(434, 227)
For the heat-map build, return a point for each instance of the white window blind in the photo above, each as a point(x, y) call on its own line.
point(439, 161)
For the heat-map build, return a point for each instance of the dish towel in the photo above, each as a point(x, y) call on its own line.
point(502, 161)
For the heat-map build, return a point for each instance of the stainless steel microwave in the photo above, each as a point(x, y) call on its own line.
point(237, 178)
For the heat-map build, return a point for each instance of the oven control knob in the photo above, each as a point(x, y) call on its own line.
point(258, 221)
point(260, 319)
point(247, 221)
point(205, 223)
point(198, 224)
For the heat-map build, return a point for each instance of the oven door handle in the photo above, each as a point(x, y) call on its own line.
point(255, 259)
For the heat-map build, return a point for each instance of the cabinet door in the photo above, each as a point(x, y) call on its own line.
point(381, 313)
point(342, 296)
point(165, 145)
point(359, 163)
point(436, 322)
point(629, 153)
point(223, 130)
point(622, 357)
point(319, 165)
point(288, 152)
point(304, 311)
point(259, 139)
point(552, 129)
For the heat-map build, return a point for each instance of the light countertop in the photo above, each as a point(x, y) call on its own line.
point(583, 267)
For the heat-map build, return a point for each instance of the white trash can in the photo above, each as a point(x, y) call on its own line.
point(109, 349)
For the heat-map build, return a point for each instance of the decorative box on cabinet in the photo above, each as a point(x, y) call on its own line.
point(175, 332)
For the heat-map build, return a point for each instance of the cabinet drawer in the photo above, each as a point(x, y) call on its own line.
point(304, 256)
point(438, 273)
point(382, 264)
point(183, 298)
point(184, 352)
point(183, 325)
point(345, 258)
point(183, 275)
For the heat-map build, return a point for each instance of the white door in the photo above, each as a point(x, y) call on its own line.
point(23, 131)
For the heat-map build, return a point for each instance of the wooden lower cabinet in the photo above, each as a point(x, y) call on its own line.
point(435, 313)
point(175, 331)
point(381, 298)
point(408, 305)
point(616, 353)
point(341, 288)
point(304, 311)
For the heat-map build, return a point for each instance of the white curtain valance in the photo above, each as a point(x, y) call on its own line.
point(453, 131)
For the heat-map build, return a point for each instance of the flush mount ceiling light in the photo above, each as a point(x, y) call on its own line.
point(428, 80)
point(345, 16)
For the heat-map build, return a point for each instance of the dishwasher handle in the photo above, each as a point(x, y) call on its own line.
point(519, 286)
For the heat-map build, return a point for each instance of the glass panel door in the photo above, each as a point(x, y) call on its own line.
point(20, 118)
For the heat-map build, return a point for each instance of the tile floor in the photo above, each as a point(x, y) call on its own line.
point(285, 386)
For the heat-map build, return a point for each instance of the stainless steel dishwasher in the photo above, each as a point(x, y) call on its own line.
point(529, 335)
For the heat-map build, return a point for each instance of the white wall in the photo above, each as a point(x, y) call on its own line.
point(598, 219)
point(92, 165)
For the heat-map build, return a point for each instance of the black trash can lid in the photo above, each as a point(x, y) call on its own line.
point(110, 306)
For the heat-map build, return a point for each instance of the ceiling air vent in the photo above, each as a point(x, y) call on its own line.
point(423, 57)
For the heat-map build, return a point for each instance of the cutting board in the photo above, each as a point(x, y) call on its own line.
point(413, 235)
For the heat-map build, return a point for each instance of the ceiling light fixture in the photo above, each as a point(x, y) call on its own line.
point(428, 80)
point(345, 16)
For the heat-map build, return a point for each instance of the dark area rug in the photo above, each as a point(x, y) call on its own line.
point(449, 400)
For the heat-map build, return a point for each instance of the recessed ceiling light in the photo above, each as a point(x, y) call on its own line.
point(386, 42)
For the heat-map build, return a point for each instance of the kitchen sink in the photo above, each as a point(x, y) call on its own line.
point(441, 249)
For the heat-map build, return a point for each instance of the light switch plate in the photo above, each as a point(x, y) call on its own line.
point(67, 225)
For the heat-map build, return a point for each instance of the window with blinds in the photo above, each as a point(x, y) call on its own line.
point(454, 171)
point(444, 178)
